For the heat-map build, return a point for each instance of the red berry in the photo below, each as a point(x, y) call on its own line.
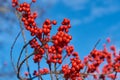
point(33, 0)
point(26, 73)
point(54, 22)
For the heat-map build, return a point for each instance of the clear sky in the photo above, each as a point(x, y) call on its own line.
point(90, 19)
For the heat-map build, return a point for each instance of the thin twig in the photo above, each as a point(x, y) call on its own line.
point(25, 41)
point(115, 75)
point(53, 72)
point(39, 77)
point(11, 52)
point(56, 75)
point(49, 65)
point(38, 70)
point(96, 44)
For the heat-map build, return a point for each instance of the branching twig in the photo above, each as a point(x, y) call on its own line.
point(21, 53)
point(19, 67)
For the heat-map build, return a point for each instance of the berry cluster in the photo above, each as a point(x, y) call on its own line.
point(41, 72)
point(37, 50)
point(69, 50)
point(60, 41)
point(97, 57)
point(73, 73)
point(117, 63)
point(44, 71)
point(65, 25)
point(14, 3)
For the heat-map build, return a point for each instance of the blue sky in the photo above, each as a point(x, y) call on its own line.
point(90, 19)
